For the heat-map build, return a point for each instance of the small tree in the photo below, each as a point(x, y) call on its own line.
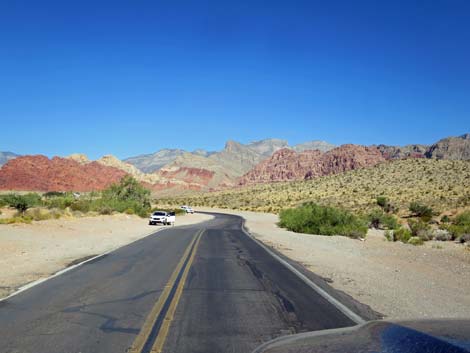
point(127, 194)
point(22, 202)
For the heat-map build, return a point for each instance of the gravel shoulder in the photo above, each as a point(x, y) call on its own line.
point(32, 251)
point(398, 280)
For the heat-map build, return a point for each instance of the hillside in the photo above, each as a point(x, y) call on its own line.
point(455, 148)
point(286, 164)
point(441, 184)
point(39, 173)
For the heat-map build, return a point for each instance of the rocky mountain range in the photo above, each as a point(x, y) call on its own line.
point(39, 173)
point(256, 150)
point(287, 164)
point(173, 170)
point(453, 148)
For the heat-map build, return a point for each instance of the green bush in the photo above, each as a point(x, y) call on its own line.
point(129, 211)
point(385, 203)
point(314, 219)
point(401, 234)
point(81, 205)
point(445, 219)
point(127, 194)
point(460, 226)
point(421, 211)
point(51, 194)
point(61, 202)
point(416, 241)
point(21, 202)
point(463, 219)
point(420, 229)
point(379, 219)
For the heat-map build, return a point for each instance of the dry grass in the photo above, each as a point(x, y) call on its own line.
point(441, 184)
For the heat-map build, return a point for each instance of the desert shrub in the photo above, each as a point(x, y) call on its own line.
point(421, 211)
point(379, 219)
point(22, 202)
point(60, 202)
point(51, 194)
point(460, 226)
point(129, 211)
point(105, 210)
point(388, 235)
point(463, 219)
point(420, 229)
point(382, 201)
point(81, 205)
point(385, 203)
point(38, 214)
point(415, 241)
point(401, 234)
point(445, 219)
point(442, 235)
point(17, 219)
point(314, 219)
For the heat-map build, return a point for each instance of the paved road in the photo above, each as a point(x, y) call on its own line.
point(203, 288)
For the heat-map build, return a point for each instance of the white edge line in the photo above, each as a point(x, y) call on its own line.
point(340, 306)
point(64, 270)
point(299, 336)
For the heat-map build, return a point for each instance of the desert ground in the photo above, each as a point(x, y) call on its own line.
point(398, 280)
point(29, 252)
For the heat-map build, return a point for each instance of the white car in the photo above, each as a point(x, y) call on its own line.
point(187, 209)
point(162, 217)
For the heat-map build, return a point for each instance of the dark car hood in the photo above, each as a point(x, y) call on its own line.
point(427, 336)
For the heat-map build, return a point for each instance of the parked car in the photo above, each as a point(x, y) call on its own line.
point(162, 217)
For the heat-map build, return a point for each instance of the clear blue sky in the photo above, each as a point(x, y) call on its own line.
point(131, 77)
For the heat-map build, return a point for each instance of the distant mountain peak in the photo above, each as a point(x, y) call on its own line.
point(6, 156)
point(232, 145)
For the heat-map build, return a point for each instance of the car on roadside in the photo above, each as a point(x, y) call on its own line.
point(162, 217)
point(187, 209)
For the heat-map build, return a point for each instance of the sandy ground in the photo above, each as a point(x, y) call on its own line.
point(32, 251)
point(397, 280)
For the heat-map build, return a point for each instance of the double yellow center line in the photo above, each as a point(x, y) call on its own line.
point(153, 334)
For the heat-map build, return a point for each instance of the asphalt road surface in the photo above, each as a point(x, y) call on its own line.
point(202, 288)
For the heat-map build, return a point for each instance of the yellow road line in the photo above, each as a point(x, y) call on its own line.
point(146, 331)
point(160, 340)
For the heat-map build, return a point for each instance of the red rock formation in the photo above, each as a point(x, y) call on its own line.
point(39, 173)
point(287, 164)
point(189, 175)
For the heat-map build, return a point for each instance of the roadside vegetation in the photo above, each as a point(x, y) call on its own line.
point(128, 196)
point(411, 200)
point(314, 219)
